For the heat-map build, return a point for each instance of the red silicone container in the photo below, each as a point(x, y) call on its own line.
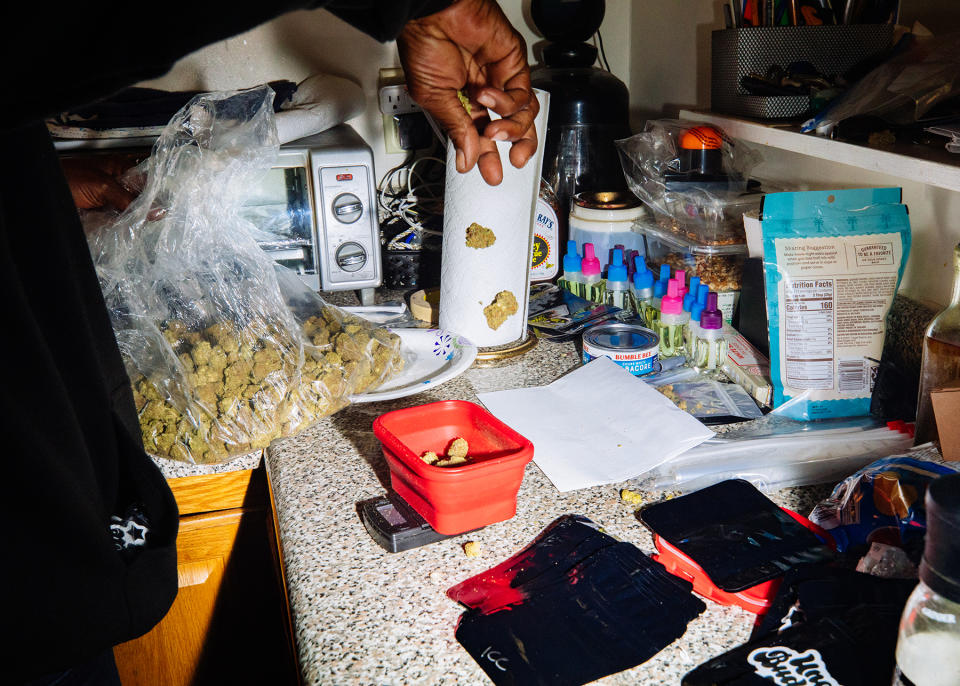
point(454, 499)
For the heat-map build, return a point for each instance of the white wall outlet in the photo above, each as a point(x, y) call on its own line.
point(395, 99)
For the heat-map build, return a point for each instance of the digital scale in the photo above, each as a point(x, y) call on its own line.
point(396, 526)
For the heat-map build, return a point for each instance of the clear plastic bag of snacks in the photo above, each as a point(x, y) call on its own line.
point(225, 349)
point(693, 177)
point(705, 398)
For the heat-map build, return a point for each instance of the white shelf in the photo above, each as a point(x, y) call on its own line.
point(929, 165)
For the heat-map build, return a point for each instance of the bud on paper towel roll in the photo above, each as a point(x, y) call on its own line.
point(472, 277)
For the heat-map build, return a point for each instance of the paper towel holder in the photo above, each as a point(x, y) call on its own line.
point(487, 357)
point(504, 261)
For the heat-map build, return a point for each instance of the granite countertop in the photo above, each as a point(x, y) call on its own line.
point(172, 469)
point(363, 615)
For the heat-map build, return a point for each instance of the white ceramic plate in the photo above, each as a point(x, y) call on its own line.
point(433, 356)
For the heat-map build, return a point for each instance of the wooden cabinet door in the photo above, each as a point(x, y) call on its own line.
point(229, 623)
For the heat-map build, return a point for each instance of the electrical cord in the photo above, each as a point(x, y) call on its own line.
point(411, 195)
point(603, 53)
point(382, 192)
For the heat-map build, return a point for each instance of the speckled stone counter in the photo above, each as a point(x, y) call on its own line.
point(172, 469)
point(365, 616)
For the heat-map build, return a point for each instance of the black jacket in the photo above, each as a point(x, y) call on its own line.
point(71, 438)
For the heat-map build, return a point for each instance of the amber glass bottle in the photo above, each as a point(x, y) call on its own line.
point(941, 357)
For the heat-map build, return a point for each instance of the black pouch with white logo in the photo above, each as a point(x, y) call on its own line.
point(852, 648)
point(809, 592)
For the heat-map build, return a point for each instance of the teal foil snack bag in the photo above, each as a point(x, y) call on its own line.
point(833, 261)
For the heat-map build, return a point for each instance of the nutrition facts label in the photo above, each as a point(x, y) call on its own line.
point(833, 286)
point(808, 330)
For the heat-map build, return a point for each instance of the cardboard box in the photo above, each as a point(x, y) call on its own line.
point(946, 410)
point(747, 366)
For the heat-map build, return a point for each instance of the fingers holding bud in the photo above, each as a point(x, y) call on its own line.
point(470, 49)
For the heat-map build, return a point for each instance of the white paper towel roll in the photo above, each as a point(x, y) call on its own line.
point(471, 278)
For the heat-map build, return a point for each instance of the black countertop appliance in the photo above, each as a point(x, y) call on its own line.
point(589, 107)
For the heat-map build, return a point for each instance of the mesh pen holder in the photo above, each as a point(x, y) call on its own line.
point(831, 49)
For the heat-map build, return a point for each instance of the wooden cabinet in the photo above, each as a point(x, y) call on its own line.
point(230, 622)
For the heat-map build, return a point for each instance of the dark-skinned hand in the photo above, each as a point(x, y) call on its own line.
point(95, 181)
point(471, 45)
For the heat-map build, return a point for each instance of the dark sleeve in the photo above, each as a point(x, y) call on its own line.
point(384, 19)
point(69, 416)
point(71, 54)
point(64, 56)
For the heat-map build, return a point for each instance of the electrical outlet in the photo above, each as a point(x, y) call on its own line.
point(394, 100)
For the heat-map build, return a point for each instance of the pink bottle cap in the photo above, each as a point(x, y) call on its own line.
point(671, 302)
point(590, 265)
point(681, 279)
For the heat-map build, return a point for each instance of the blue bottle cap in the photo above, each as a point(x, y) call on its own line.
point(665, 275)
point(659, 289)
point(693, 286)
point(696, 310)
point(688, 300)
point(617, 271)
point(702, 293)
point(643, 279)
point(572, 261)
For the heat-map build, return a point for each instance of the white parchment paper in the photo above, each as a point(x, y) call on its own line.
point(599, 424)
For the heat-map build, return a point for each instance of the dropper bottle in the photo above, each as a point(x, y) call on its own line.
point(652, 315)
point(618, 287)
point(711, 345)
point(664, 276)
point(642, 291)
point(690, 296)
point(671, 323)
point(680, 278)
point(593, 287)
point(703, 290)
point(572, 278)
point(623, 256)
point(695, 311)
point(659, 290)
point(928, 645)
point(629, 258)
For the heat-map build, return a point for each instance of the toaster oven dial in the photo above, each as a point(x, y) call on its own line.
point(351, 257)
point(347, 208)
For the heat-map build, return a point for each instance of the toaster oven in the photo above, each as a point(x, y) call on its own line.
point(314, 212)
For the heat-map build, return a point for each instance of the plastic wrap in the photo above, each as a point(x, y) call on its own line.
point(694, 178)
point(883, 502)
point(225, 350)
point(776, 425)
point(952, 132)
point(719, 266)
point(673, 374)
point(901, 90)
point(705, 398)
point(771, 456)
